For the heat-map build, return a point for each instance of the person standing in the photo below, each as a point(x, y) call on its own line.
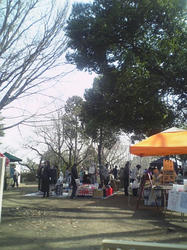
point(67, 176)
point(92, 173)
point(39, 175)
point(74, 176)
point(15, 178)
point(45, 179)
point(135, 173)
point(54, 177)
point(126, 178)
point(81, 174)
point(115, 172)
point(59, 184)
point(106, 175)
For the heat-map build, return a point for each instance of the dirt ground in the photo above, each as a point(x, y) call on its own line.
point(80, 224)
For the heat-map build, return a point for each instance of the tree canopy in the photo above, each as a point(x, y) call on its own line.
point(140, 50)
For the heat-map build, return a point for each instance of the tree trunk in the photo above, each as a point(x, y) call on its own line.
point(100, 146)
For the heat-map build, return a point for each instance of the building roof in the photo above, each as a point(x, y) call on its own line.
point(12, 158)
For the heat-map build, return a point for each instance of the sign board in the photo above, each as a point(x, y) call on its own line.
point(177, 201)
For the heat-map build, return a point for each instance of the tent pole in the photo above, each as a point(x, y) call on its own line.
point(2, 174)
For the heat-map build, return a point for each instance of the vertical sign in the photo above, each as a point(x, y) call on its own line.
point(168, 165)
point(2, 174)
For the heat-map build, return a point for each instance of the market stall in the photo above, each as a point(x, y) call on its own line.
point(169, 142)
point(11, 164)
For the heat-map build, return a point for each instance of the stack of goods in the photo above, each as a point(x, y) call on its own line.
point(169, 174)
point(86, 190)
point(98, 193)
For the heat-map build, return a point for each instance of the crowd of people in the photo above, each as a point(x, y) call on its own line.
point(50, 178)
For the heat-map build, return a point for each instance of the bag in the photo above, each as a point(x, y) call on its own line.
point(77, 181)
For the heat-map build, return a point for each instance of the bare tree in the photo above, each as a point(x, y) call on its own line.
point(117, 155)
point(64, 138)
point(32, 41)
point(30, 165)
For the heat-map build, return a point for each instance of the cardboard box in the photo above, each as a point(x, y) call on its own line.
point(98, 193)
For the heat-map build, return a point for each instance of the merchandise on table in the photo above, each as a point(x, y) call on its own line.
point(178, 187)
point(169, 174)
point(86, 189)
point(91, 190)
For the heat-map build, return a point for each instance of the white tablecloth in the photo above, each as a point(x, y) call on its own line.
point(177, 201)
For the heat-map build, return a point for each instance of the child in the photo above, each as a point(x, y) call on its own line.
point(59, 185)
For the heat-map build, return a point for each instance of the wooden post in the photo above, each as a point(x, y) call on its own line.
point(2, 174)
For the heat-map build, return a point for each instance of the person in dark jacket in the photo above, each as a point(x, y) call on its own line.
point(46, 174)
point(39, 175)
point(115, 172)
point(126, 178)
point(54, 174)
point(74, 176)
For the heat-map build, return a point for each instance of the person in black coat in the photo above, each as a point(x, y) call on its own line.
point(74, 176)
point(54, 173)
point(39, 175)
point(126, 177)
point(115, 172)
point(46, 174)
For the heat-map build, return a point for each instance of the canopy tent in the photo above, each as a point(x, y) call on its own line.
point(12, 158)
point(169, 142)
